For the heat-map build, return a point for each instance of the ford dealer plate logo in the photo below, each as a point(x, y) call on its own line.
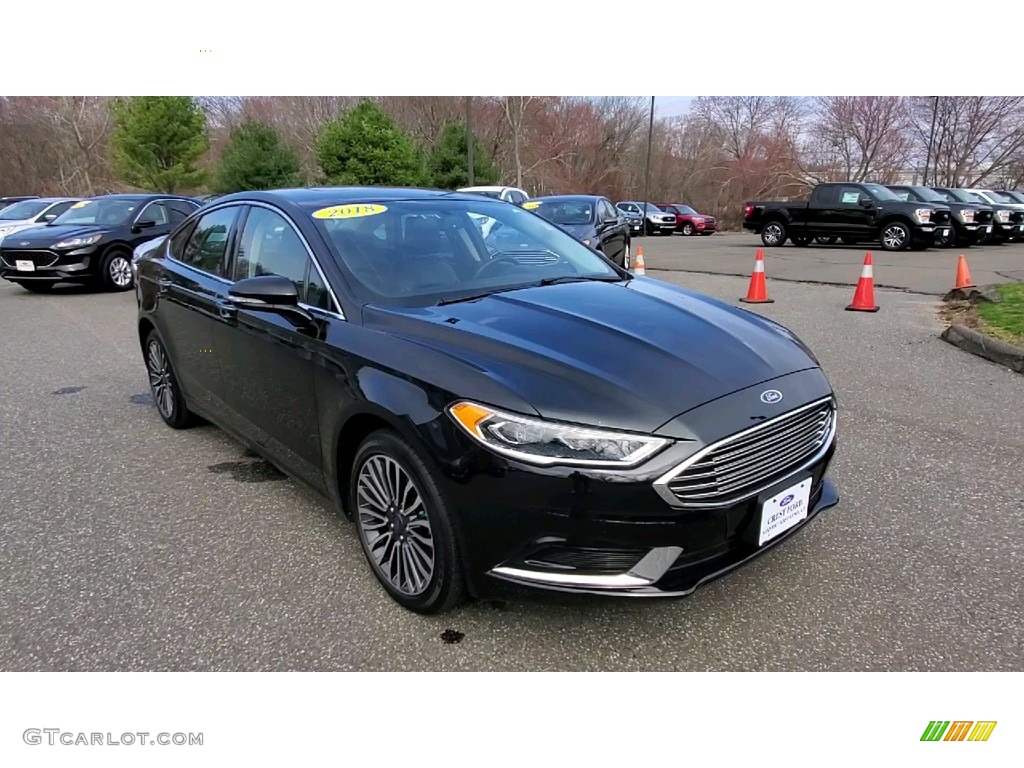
point(771, 396)
point(788, 499)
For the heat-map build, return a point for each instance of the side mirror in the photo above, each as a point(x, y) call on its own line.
point(867, 202)
point(270, 293)
point(141, 225)
point(48, 217)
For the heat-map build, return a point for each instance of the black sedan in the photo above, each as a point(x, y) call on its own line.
point(487, 416)
point(589, 218)
point(91, 242)
point(972, 222)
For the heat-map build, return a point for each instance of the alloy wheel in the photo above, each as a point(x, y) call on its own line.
point(120, 272)
point(160, 381)
point(772, 234)
point(894, 237)
point(394, 524)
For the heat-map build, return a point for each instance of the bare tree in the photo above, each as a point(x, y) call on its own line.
point(81, 127)
point(859, 138)
point(976, 138)
point(515, 108)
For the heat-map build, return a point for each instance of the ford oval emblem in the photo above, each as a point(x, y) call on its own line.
point(771, 396)
point(786, 500)
point(24, 242)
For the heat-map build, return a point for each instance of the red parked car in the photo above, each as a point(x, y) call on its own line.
point(688, 221)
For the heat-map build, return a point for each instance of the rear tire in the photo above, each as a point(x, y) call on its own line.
point(800, 241)
point(163, 385)
point(830, 240)
point(773, 234)
point(404, 525)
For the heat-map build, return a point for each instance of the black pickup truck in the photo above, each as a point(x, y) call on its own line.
point(853, 212)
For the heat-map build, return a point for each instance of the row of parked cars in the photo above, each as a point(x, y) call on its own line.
point(604, 226)
point(896, 217)
point(98, 240)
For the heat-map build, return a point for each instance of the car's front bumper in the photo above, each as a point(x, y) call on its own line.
point(625, 531)
point(47, 266)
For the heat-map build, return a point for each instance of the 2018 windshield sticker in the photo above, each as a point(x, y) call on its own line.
point(531, 205)
point(352, 211)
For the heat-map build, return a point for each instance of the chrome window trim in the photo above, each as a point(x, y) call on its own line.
point(212, 208)
point(309, 251)
point(661, 484)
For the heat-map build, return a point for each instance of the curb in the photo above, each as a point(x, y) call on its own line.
point(979, 344)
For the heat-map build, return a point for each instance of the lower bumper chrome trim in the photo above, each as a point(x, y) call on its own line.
point(651, 567)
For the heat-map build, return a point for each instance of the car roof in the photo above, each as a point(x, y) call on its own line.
point(548, 198)
point(485, 188)
point(318, 197)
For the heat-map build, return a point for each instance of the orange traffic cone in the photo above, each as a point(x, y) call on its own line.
point(757, 293)
point(864, 296)
point(963, 274)
point(639, 268)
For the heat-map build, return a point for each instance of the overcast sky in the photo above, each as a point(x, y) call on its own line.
point(671, 106)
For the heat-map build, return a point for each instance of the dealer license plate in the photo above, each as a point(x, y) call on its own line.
point(989, 229)
point(944, 233)
point(25, 266)
point(784, 510)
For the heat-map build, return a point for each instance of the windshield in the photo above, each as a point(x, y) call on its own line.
point(26, 209)
point(881, 193)
point(686, 210)
point(417, 253)
point(107, 213)
point(652, 208)
point(999, 197)
point(929, 195)
point(975, 197)
point(1017, 197)
point(563, 212)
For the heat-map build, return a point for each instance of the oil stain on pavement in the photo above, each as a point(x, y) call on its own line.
point(143, 399)
point(68, 390)
point(248, 471)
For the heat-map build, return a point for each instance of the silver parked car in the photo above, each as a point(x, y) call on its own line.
point(32, 213)
point(656, 220)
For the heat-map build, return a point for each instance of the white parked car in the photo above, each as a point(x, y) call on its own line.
point(32, 213)
point(512, 195)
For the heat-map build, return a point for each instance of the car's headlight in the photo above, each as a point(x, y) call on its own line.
point(78, 242)
point(546, 442)
point(923, 215)
point(1003, 216)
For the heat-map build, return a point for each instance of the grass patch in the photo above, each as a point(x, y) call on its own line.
point(1004, 320)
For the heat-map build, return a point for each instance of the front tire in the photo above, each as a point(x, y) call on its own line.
point(405, 526)
point(116, 270)
point(773, 234)
point(163, 385)
point(687, 229)
point(895, 236)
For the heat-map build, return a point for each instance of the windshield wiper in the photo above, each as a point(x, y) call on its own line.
point(476, 296)
point(584, 278)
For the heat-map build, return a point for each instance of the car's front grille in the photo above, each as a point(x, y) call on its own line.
point(983, 217)
point(940, 217)
point(38, 258)
point(740, 466)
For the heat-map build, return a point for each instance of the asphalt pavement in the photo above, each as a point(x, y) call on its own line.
point(929, 272)
point(125, 545)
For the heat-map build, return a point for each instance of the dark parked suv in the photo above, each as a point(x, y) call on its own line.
point(90, 242)
point(522, 411)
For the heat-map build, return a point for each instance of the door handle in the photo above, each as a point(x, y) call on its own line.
point(163, 286)
point(227, 311)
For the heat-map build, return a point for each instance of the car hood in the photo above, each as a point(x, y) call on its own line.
point(5, 223)
point(580, 231)
point(629, 356)
point(45, 236)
